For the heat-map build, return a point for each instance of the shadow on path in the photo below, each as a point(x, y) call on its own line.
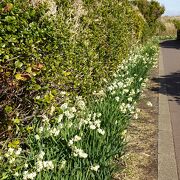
point(171, 83)
point(171, 44)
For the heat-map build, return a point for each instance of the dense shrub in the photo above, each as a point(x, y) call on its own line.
point(151, 10)
point(76, 48)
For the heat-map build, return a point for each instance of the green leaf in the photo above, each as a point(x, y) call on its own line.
point(14, 144)
point(29, 70)
point(37, 87)
point(8, 109)
point(48, 97)
point(16, 120)
point(66, 73)
point(6, 57)
point(20, 77)
point(29, 129)
point(4, 176)
point(10, 18)
point(18, 64)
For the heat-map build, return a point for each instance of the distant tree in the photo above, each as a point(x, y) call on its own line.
point(151, 10)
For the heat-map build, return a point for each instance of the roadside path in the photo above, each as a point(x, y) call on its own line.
point(169, 111)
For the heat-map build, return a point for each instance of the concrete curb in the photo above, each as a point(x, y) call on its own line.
point(167, 167)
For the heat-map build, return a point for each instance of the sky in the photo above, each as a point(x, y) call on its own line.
point(172, 7)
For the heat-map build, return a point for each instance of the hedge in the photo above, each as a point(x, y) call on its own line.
point(62, 46)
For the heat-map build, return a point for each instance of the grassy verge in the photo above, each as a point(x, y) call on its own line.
point(83, 138)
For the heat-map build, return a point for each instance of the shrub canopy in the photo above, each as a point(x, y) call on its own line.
point(152, 11)
point(72, 46)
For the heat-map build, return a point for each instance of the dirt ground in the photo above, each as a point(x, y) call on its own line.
point(141, 161)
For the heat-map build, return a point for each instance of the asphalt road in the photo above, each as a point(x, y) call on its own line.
point(171, 59)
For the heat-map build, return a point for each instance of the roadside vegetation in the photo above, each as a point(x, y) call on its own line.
point(168, 27)
point(71, 76)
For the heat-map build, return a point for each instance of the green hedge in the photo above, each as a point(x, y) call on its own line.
point(75, 50)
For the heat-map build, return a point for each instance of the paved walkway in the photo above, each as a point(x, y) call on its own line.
point(169, 111)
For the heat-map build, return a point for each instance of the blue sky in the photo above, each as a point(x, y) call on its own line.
point(172, 7)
